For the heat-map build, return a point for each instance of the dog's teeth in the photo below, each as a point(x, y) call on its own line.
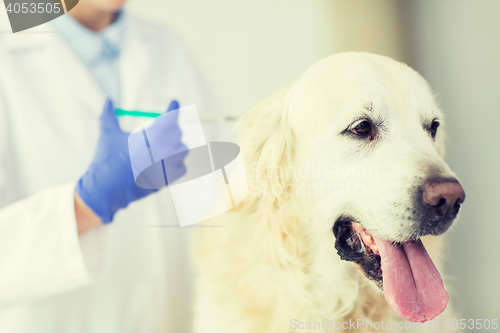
point(367, 239)
point(374, 248)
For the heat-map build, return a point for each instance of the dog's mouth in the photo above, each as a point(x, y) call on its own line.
point(410, 281)
point(354, 243)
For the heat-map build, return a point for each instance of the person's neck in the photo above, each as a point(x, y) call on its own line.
point(91, 18)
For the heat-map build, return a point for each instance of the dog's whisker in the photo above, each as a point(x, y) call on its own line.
point(361, 242)
point(350, 237)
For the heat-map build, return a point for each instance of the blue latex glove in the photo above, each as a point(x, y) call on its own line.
point(109, 185)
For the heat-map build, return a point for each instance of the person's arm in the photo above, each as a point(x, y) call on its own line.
point(40, 252)
point(86, 219)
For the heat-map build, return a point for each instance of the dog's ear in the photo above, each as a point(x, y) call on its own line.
point(268, 145)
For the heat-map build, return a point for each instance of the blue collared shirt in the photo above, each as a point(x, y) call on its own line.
point(99, 51)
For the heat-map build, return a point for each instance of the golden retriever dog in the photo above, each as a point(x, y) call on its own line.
point(346, 176)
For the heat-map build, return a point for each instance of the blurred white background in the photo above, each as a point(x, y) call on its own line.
point(456, 46)
point(249, 50)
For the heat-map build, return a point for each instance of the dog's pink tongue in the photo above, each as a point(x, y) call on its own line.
point(412, 284)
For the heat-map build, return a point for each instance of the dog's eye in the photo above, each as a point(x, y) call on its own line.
point(434, 128)
point(364, 128)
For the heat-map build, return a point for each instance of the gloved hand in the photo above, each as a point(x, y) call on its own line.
point(109, 185)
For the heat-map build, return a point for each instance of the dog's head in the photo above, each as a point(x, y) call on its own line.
point(357, 145)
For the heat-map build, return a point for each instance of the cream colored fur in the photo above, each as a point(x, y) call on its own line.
point(275, 259)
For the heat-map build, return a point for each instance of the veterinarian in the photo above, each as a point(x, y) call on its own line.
point(80, 246)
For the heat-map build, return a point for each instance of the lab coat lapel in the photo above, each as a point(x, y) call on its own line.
point(75, 83)
point(75, 79)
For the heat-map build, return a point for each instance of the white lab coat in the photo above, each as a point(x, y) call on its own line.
point(130, 276)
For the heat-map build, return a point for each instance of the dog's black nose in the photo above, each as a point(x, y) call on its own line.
point(443, 197)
